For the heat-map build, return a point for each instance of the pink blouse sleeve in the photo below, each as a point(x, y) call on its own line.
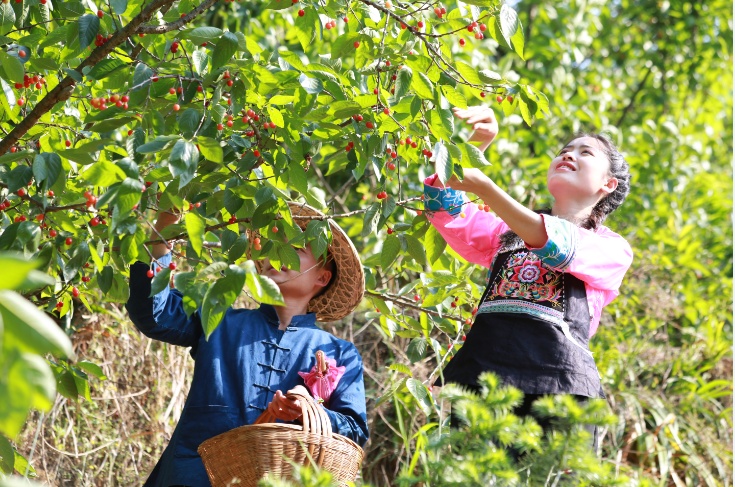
point(476, 236)
point(599, 258)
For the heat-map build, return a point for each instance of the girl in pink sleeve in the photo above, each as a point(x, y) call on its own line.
point(550, 273)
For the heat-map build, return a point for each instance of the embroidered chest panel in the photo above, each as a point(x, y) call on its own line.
point(524, 276)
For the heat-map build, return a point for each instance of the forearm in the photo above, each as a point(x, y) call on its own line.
point(526, 223)
point(165, 219)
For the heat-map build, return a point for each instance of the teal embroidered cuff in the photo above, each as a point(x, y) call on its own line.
point(447, 199)
point(561, 247)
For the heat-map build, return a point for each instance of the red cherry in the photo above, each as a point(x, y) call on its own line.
point(100, 14)
point(149, 274)
point(125, 98)
point(22, 54)
point(454, 304)
point(499, 99)
point(20, 102)
point(356, 44)
point(369, 125)
point(67, 143)
point(59, 305)
point(482, 94)
point(220, 127)
point(390, 231)
point(176, 107)
point(375, 91)
point(86, 278)
point(391, 166)
point(75, 292)
point(94, 221)
point(68, 241)
point(233, 219)
point(52, 233)
point(386, 111)
point(462, 42)
point(274, 229)
point(256, 153)
point(172, 266)
point(509, 98)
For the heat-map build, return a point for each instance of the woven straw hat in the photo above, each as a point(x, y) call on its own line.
point(346, 288)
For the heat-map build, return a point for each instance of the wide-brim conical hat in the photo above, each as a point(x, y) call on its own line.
point(347, 287)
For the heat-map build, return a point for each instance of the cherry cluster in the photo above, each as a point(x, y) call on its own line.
point(36, 80)
point(117, 100)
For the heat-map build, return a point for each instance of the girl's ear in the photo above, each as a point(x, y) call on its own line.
point(324, 277)
point(610, 186)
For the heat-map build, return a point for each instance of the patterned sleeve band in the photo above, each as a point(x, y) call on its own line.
point(561, 246)
point(446, 199)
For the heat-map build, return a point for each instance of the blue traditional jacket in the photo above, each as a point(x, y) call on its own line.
point(238, 370)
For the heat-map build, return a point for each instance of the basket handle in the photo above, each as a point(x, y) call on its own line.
point(313, 417)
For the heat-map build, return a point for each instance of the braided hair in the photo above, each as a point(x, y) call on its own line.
point(619, 169)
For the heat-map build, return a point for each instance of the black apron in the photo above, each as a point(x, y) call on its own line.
point(531, 329)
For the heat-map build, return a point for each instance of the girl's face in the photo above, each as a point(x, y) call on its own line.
point(581, 171)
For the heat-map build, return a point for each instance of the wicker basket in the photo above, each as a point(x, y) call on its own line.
point(244, 455)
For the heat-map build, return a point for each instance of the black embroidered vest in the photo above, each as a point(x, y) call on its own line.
point(531, 329)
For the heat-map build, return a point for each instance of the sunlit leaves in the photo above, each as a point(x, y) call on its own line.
point(89, 26)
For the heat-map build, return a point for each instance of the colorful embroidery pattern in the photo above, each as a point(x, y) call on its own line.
point(525, 276)
point(561, 247)
point(448, 199)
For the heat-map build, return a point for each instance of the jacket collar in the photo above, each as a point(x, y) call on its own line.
point(299, 321)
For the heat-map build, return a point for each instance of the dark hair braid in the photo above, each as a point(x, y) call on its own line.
point(619, 169)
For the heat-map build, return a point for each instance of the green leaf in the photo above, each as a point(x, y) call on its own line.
point(441, 123)
point(9, 96)
point(220, 296)
point(454, 97)
point(7, 18)
point(19, 178)
point(103, 173)
point(105, 68)
point(29, 329)
point(472, 155)
point(225, 48)
point(15, 269)
point(293, 59)
point(510, 27)
point(434, 243)
point(183, 161)
point(141, 77)
point(421, 393)
point(160, 281)
point(7, 456)
point(119, 6)
point(46, 169)
point(423, 86)
point(195, 227)
point(12, 66)
point(416, 350)
point(311, 85)
point(92, 368)
point(391, 248)
point(89, 26)
point(210, 149)
point(200, 35)
point(370, 221)
point(157, 144)
point(468, 73)
point(443, 162)
point(403, 82)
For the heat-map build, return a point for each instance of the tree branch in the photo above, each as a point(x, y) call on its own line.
point(65, 88)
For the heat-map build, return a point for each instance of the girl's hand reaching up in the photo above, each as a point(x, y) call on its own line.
point(483, 122)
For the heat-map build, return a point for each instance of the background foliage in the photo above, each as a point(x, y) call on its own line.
point(78, 185)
